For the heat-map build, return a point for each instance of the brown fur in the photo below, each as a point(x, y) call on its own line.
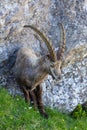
point(30, 70)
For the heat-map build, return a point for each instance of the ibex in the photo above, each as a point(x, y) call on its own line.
point(30, 70)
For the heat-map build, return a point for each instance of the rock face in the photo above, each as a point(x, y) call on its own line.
point(45, 15)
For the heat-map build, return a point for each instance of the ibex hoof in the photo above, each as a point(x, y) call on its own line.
point(45, 115)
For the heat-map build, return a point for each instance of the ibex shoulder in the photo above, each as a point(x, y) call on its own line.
point(26, 55)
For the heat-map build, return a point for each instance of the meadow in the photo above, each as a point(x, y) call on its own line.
point(15, 114)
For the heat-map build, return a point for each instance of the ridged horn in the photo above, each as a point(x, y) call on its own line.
point(48, 44)
point(62, 45)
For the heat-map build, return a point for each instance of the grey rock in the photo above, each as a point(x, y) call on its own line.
point(72, 88)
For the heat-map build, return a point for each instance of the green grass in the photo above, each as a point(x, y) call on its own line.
point(15, 114)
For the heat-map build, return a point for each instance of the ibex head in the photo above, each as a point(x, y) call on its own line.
point(52, 67)
point(52, 61)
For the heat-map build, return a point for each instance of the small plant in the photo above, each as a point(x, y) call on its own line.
point(78, 112)
point(84, 107)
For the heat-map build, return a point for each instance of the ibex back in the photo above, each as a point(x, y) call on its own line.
point(30, 70)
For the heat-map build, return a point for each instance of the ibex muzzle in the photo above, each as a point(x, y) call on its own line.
point(55, 70)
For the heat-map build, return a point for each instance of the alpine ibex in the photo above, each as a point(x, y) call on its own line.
point(30, 70)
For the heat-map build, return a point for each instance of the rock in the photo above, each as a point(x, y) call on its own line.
point(72, 88)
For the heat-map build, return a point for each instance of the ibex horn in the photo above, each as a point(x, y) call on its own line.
point(48, 44)
point(62, 42)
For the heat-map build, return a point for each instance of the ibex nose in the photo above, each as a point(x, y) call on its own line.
point(59, 77)
point(56, 77)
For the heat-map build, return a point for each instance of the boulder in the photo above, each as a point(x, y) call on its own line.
point(45, 15)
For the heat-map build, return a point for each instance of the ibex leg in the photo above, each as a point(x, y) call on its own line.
point(26, 94)
point(39, 101)
point(33, 98)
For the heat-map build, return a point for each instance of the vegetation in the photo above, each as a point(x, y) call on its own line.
point(79, 112)
point(15, 114)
